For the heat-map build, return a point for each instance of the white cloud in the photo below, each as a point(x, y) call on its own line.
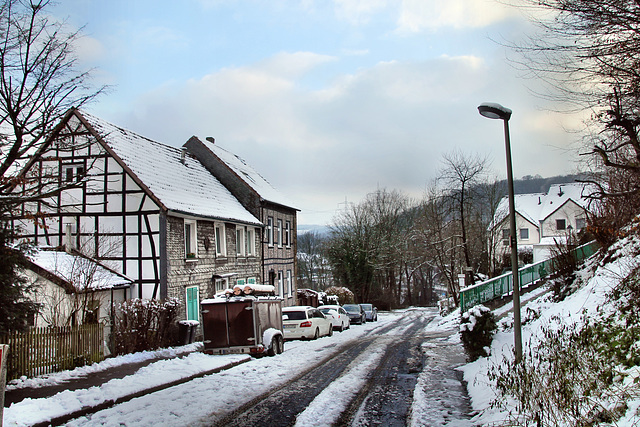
point(358, 12)
point(88, 49)
point(419, 15)
point(385, 126)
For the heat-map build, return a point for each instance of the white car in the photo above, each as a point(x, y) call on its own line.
point(305, 322)
point(339, 316)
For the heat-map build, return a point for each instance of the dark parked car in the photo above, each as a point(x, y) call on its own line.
point(356, 313)
point(371, 312)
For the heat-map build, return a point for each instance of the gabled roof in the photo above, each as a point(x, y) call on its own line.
point(75, 272)
point(536, 207)
point(248, 175)
point(180, 186)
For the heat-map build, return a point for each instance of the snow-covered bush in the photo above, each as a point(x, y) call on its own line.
point(142, 324)
point(477, 327)
point(345, 296)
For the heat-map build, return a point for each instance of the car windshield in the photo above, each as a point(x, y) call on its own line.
point(367, 307)
point(352, 308)
point(294, 315)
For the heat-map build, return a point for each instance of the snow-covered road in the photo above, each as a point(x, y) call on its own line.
point(205, 400)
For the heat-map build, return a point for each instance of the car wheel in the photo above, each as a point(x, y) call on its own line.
point(341, 327)
point(280, 345)
point(331, 330)
point(317, 334)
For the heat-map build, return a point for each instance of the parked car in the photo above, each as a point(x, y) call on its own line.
point(356, 313)
point(371, 312)
point(305, 322)
point(339, 316)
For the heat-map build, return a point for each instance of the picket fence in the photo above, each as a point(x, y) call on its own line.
point(40, 351)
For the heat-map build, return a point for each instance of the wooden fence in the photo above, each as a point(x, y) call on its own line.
point(53, 349)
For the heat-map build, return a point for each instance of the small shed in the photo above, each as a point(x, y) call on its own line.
point(74, 289)
point(307, 297)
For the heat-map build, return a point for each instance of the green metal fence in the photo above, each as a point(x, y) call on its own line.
point(503, 285)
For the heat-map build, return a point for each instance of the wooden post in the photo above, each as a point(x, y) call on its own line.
point(4, 352)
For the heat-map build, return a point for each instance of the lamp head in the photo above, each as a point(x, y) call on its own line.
point(494, 111)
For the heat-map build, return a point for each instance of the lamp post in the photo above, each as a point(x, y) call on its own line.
point(497, 111)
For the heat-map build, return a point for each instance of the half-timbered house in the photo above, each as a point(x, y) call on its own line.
point(272, 208)
point(153, 211)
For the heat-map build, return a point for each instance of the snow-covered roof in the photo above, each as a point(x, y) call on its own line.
point(249, 175)
point(82, 273)
point(536, 207)
point(186, 187)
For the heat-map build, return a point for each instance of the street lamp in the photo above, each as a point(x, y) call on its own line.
point(497, 111)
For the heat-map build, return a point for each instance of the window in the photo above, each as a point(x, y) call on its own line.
point(561, 224)
point(505, 234)
point(221, 248)
point(270, 231)
point(279, 236)
point(192, 303)
point(524, 233)
point(190, 239)
point(240, 282)
point(92, 312)
point(289, 283)
point(73, 172)
point(248, 241)
point(580, 223)
point(280, 284)
point(251, 281)
point(240, 248)
point(287, 234)
point(221, 285)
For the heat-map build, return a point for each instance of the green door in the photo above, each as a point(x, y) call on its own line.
point(192, 303)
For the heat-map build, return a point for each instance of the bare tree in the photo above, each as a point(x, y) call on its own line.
point(39, 81)
point(461, 176)
point(588, 53)
point(78, 302)
point(313, 269)
point(436, 236)
point(367, 246)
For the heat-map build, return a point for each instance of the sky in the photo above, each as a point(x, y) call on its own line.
point(329, 100)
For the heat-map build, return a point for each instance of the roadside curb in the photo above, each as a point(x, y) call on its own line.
point(86, 410)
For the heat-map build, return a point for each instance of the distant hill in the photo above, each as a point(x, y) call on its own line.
point(322, 230)
point(538, 184)
point(526, 185)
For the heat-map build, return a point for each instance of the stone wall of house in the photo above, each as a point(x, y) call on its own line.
point(183, 273)
point(280, 257)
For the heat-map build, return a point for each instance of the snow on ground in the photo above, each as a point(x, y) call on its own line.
point(326, 408)
point(193, 402)
point(588, 298)
point(61, 377)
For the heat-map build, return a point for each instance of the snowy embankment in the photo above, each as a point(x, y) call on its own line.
point(598, 282)
point(194, 402)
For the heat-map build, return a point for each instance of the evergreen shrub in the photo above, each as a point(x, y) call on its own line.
point(477, 327)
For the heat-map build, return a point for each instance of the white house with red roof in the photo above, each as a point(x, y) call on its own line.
point(542, 219)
